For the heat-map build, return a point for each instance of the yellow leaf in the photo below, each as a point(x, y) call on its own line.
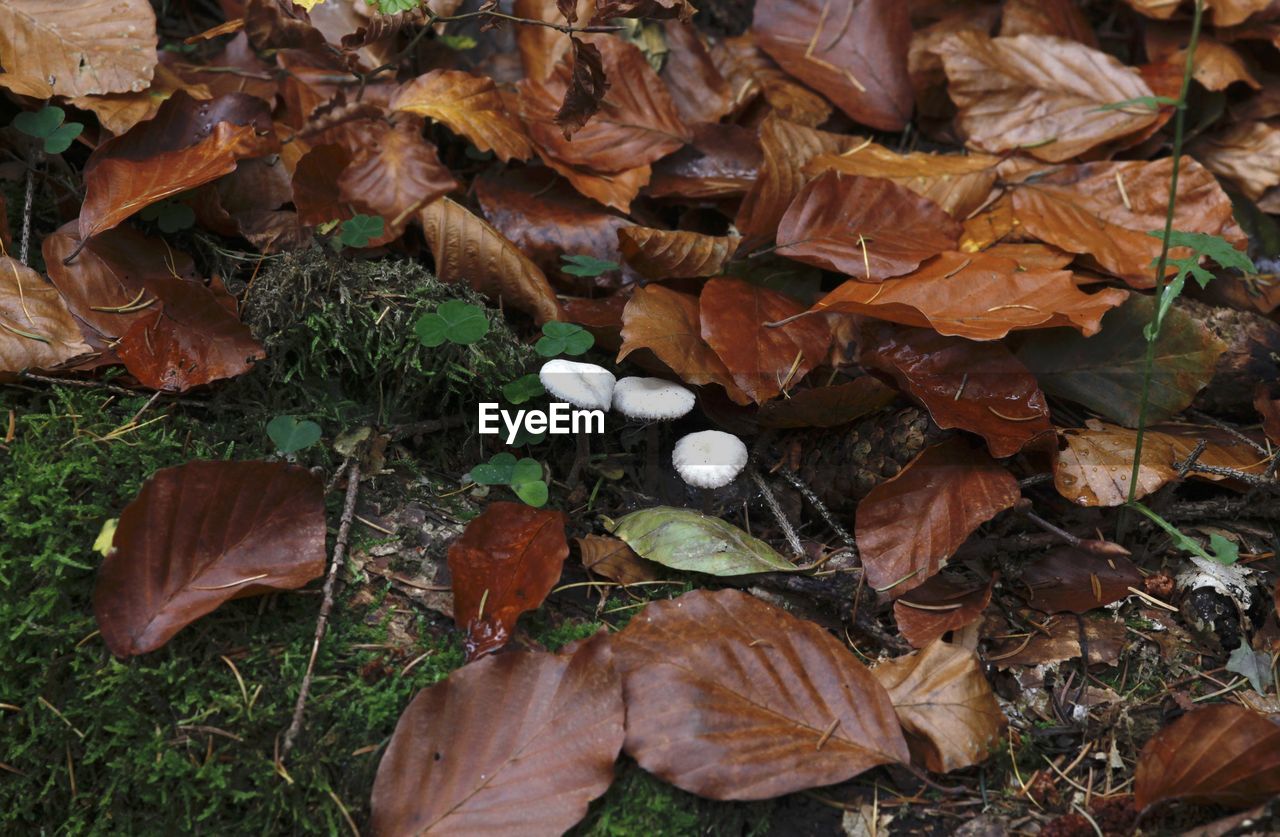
point(106, 537)
point(307, 4)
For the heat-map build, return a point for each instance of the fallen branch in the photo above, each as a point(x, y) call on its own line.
point(322, 622)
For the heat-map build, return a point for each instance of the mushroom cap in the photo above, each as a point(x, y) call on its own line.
point(709, 458)
point(651, 399)
point(583, 385)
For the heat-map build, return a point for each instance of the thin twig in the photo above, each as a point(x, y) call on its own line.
point(330, 582)
point(1187, 464)
point(1236, 474)
point(24, 247)
point(1052, 529)
point(1224, 426)
point(788, 531)
point(821, 508)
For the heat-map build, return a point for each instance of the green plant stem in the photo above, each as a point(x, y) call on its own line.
point(1179, 126)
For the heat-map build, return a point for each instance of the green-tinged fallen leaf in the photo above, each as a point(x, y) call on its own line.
point(533, 493)
point(685, 540)
point(1104, 372)
point(1252, 664)
point(291, 435)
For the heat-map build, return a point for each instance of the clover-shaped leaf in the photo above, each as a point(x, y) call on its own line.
point(47, 124)
point(358, 231)
point(533, 493)
point(455, 321)
point(563, 339)
point(497, 471)
point(523, 388)
point(523, 476)
point(291, 435)
point(170, 216)
point(588, 266)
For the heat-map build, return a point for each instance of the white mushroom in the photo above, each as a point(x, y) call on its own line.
point(709, 458)
point(651, 399)
point(583, 385)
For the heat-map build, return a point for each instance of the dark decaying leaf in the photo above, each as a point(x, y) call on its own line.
point(1076, 580)
point(1058, 638)
point(201, 534)
point(611, 558)
point(731, 698)
point(827, 406)
point(951, 489)
point(940, 605)
point(865, 227)
point(36, 329)
point(1213, 755)
point(586, 89)
point(948, 711)
point(505, 562)
point(978, 387)
point(512, 744)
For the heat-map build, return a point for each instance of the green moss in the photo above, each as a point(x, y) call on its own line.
point(638, 804)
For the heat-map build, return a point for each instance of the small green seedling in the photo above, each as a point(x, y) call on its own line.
point(170, 216)
point(392, 7)
point(523, 388)
point(587, 266)
point(454, 321)
point(47, 124)
point(563, 339)
point(1202, 245)
point(290, 435)
point(1221, 550)
point(457, 42)
point(357, 231)
point(523, 476)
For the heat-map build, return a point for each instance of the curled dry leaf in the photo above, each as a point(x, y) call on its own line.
point(1104, 372)
point(505, 562)
point(1040, 94)
point(863, 226)
point(188, 341)
point(751, 74)
point(730, 698)
point(615, 189)
point(1216, 66)
point(940, 605)
point(118, 112)
point(908, 527)
point(611, 558)
point(763, 361)
point(786, 148)
point(586, 88)
point(667, 323)
point(36, 329)
point(1075, 580)
point(639, 125)
point(202, 534)
point(517, 743)
point(1062, 18)
point(1106, 210)
point(1058, 639)
point(982, 296)
point(959, 184)
point(854, 53)
point(470, 105)
point(675, 254)
point(280, 24)
point(394, 176)
point(77, 47)
point(187, 144)
point(1247, 154)
point(978, 387)
point(948, 711)
point(1213, 755)
point(467, 249)
point(828, 406)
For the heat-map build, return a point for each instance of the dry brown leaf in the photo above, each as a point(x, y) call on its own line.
point(950, 715)
point(1247, 154)
point(731, 698)
point(1040, 94)
point(854, 53)
point(1234, 12)
point(863, 226)
point(697, 89)
point(471, 106)
point(1213, 755)
point(36, 329)
point(394, 176)
point(1077, 579)
point(1106, 210)
point(959, 184)
point(616, 190)
point(763, 361)
point(467, 249)
point(315, 185)
point(954, 295)
point(908, 527)
point(721, 162)
point(1217, 66)
point(1062, 18)
point(938, 606)
point(611, 558)
point(118, 112)
point(675, 254)
point(667, 323)
point(1058, 639)
point(77, 47)
point(751, 73)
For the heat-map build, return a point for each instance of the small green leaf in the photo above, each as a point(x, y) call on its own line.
point(457, 42)
point(533, 493)
point(524, 437)
point(1214, 246)
point(526, 470)
point(291, 435)
point(359, 230)
point(563, 339)
point(1253, 665)
point(523, 388)
point(685, 540)
point(170, 216)
point(61, 139)
point(588, 266)
point(455, 321)
point(497, 471)
point(1222, 550)
point(1148, 102)
point(41, 123)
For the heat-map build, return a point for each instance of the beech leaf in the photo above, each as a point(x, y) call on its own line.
point(683, 539)
point(36, 329)
point(940, 605)
point(471, 106)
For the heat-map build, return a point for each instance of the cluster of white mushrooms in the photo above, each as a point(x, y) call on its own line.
point(706, 459)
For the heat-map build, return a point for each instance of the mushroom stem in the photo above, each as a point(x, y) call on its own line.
point(651, 459)
point(580, 456)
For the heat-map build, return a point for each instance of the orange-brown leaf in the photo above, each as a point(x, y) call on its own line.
point(1073, 579)
point(699, 92)
point(36, 329)
point(394, 177)
point(675, 254)
point(611, 558)
point(1246, 154)
point(471, 106)
point(505, 562)
point(731, 698)
point(940, 605)
point(958, 184)
point(863, 226)
point(908, 527)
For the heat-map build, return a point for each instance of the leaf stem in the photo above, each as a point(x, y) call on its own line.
point(1179, 129)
